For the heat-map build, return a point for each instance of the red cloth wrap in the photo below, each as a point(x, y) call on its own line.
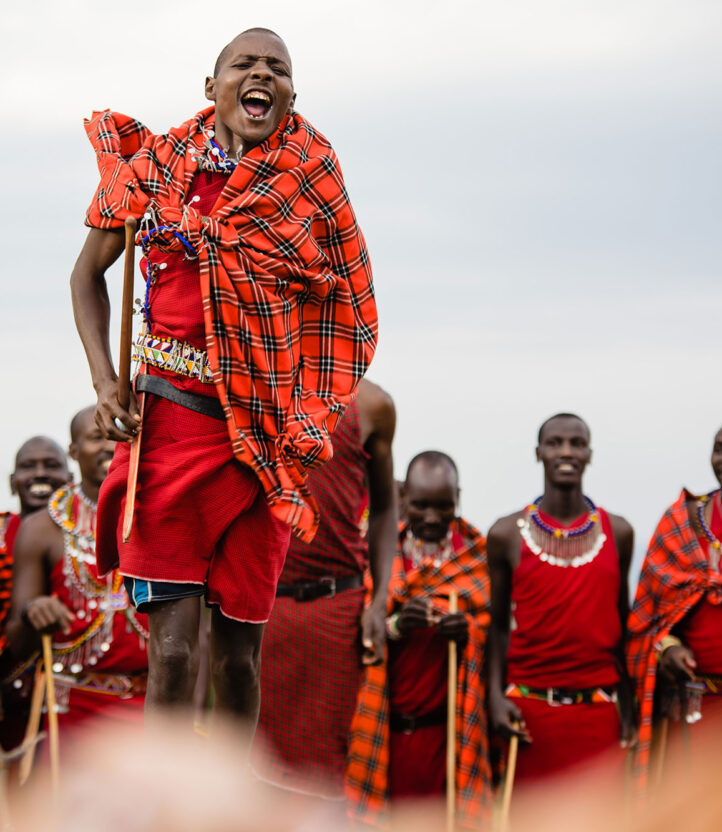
point(367, 773)
point(9, 525)
point(567, 631)
point(288, 301)
point(676, 576)
point(199, 516)
point(311, 666)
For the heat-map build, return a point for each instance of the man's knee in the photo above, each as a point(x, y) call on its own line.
point(174, 659)
point(240, 665)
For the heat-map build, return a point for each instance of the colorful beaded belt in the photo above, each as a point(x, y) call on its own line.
point(563, 696)
point(174, 356)
point(705, 685)
point(108, 683)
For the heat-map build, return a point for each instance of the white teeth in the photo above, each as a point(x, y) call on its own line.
point(106, 463)
point(40, 489)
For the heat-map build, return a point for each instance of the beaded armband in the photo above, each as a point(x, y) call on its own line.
point(665, 643)
point(392, 627)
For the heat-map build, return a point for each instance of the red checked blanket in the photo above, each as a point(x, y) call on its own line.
point(288, 298)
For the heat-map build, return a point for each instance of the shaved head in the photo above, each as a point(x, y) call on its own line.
point(433, 459)
point(79, 422)
point(556, 416)
point(48, 445)
point(256, 30)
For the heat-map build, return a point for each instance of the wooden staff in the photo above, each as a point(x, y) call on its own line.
point(509, 781)
point(451, 725)
point(126, 340)
point(660, 749)
point(33, 727)
point(52, 713)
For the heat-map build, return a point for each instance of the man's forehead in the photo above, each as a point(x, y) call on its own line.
point(267, 44)
point(40, 448)
point(565, 426)
point(423, 479)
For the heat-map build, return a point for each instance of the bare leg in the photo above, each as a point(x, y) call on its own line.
point(236, 667)
point(172, 654)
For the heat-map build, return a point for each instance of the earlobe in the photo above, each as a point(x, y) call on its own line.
point(537, 453)
point(13, 490)
point(292, 104)
point(210, 89)
point(73, 451)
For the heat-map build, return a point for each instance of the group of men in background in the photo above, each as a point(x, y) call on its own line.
point(355, 657)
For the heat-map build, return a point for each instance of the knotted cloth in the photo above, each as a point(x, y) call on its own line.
point(676, 575)
point(288, 298)
point(368, 760)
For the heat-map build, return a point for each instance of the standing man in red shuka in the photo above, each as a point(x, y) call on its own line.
point(675, 627)
point(320, 633)
point(559, 604)
point(260, 321)
point(41, 466)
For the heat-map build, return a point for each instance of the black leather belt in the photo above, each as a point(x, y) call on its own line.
point(325, 587)
point(207, 405)
point(406, 724)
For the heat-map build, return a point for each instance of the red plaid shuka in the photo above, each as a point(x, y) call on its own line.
point(676, 575)
point(288, 298)
point(368, 760)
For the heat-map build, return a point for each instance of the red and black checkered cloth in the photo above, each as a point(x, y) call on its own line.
point(676, 575)
point(368, 759)
point(9, 525)
point(288, 298)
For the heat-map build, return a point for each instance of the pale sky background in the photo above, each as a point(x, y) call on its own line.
point(538, 182)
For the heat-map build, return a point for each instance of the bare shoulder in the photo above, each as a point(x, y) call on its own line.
point(377, 412)
point(505, 529)
point(36, 535)
point(622, 528)
point(374, 402)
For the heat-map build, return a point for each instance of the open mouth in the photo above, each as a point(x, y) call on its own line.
point(566, 467)
point(105, 463)
point(257, 103)
point(40, 489)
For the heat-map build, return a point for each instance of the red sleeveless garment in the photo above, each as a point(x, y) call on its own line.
point(311, 664)
point(565, 629)
point(200, 515)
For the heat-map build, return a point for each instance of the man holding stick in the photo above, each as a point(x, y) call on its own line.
point(398, 742)
point(260, 321)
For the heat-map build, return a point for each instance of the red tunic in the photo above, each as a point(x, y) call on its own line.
point(200, 516)
point(565, 634)
point(9, 525)
point(311, 650)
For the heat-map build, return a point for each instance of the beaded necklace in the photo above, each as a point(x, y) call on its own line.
point(92, 598)
point(212, 159)
point(562, 547)
point(706, 530)
point(422, 552)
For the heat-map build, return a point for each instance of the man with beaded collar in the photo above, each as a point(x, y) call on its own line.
point(397, 747)
point(99, 642)
point(41, 466)
point(675, 627)
point(559, 604)
point(260, 321)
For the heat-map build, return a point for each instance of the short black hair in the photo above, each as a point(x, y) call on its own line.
point(47, 441)
point(561, 416)
point(433, 459)
point(222, 53)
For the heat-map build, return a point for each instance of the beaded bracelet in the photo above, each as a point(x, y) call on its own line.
point(665, 643)
point(392, 627)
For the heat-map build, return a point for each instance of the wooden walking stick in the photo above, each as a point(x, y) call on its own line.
point(33, 727)
point(126, 339)
point(509, 781)
point(451, 725)
point(52, 713)
point(660, 749)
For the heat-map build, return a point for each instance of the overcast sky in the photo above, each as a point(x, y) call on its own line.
point(538, 182)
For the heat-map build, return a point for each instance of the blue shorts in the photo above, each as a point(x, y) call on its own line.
point(143, 594)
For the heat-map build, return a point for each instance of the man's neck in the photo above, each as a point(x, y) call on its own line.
point(563, 504)
point(90, 489)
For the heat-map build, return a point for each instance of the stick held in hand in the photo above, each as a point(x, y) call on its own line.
point(126, 321)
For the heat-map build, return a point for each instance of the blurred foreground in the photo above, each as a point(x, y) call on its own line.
point(164, 779)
